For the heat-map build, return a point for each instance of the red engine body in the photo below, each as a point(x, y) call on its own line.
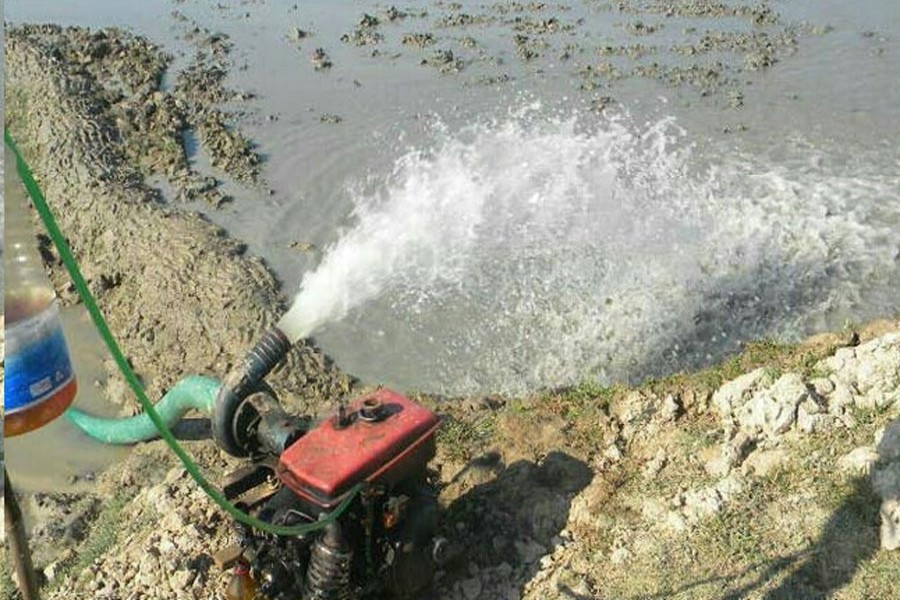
point(332, 457)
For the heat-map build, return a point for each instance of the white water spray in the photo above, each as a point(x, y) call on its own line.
point(540, 252)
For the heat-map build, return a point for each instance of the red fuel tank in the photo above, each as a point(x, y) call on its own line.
point(387, 438)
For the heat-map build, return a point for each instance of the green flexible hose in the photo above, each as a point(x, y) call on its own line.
point(191, 393)
point(40, 204)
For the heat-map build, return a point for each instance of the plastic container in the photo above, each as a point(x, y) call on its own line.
point(241, 586)
point(39, 381)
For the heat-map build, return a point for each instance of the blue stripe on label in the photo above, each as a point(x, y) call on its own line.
point(36, 372)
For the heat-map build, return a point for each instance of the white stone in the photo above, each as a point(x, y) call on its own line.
point(886, 483)
point(871, 369)
point(619, 556)
point(840, 398)
point(613, 453)
point(735, 393)
point(774, 410)
point(655, 465)
point(719, 465)
point(654, 510)
point(764, 462)
point(822, 386)
point(676, 521)
point(174, 475)
point(858, 461)
point(811, 418)
point(529, 550)
point(670, 409)
point(890, 524)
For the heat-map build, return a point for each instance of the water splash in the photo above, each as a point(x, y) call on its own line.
point(542, 251)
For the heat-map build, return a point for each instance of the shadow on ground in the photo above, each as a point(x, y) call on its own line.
point(506, 521)
point(849, 538)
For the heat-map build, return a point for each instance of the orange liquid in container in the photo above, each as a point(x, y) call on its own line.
point(39, 382)
point(241, 586)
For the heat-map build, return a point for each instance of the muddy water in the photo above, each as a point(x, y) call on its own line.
point(766, 206)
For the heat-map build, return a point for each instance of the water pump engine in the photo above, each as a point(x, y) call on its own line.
point(385, 544)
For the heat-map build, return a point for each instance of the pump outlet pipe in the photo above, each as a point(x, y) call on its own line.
point(245, 379)
point(191, 393)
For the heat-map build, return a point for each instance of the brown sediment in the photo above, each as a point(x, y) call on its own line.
point(420, 40)
point(445, 61)
point(201, 90)
point(126, 74)
point(365, 33)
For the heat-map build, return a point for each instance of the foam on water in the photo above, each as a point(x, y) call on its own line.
point(541, 251)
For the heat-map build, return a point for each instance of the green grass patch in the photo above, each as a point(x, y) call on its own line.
point(586, 398)
point(589, 392)
point(583, 407)
point(103, 536)
point(735, 536)
point(776, 357)
point(460, 438)
point(8, 589)
point(697, 434)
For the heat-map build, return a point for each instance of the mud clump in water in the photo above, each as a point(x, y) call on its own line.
point(420, 40)
point(641, 28)
point(463, 20)
point(468, 42)
point(444, 61)
point(331, 119)
point(713, 64)
point(707, 79)
point(230, 150)
point(540, 26)
point(365, 33)
point(320, 60)
point(393, 14)
point(295, 34)
point(758, 14)
point(201, 89)
point(528, 48)
point(760, 49)
point(632, 51)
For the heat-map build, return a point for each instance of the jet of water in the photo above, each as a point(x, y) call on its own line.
point(534, 252)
